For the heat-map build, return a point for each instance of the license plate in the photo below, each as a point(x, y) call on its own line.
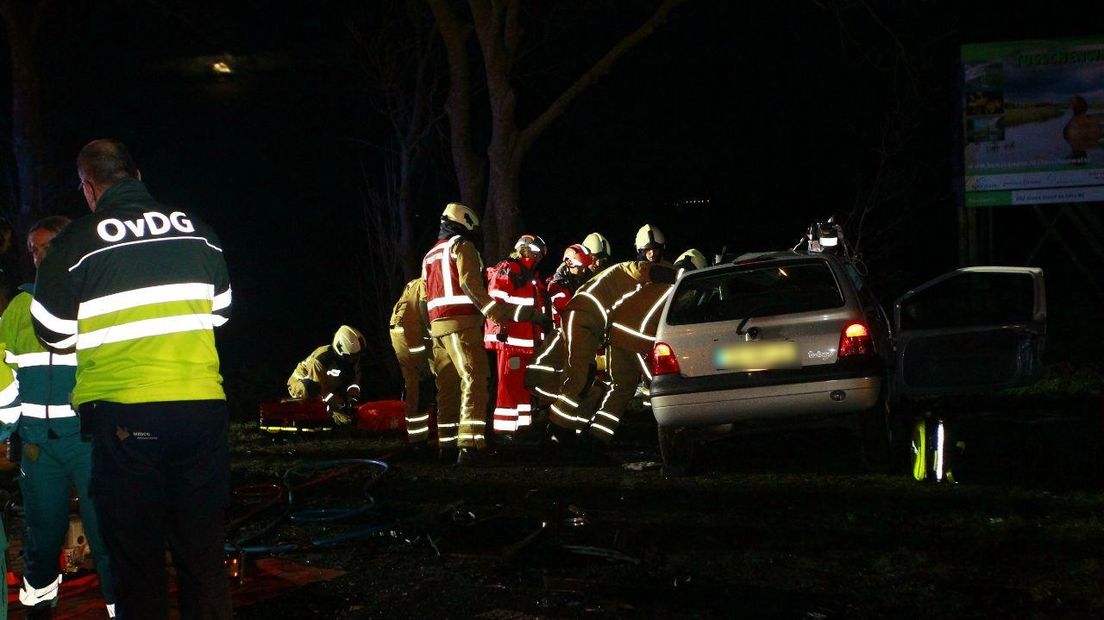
point(757, 355)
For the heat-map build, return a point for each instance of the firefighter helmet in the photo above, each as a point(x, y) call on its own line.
point(460, 214)
point(598, 246)
point(691, 259)
point(533, 242)
point(578, 255)
point(348, 341)
point(650, 238)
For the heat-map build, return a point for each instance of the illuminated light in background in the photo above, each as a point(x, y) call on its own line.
point(221, 67)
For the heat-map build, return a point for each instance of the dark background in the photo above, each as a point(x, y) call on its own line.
point(773, 112)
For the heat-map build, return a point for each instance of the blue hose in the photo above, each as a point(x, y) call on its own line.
point(318, 515)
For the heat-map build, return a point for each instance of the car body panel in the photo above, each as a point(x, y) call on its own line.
point(976, 329)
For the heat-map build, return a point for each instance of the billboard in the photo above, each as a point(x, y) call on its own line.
point(1033, 122)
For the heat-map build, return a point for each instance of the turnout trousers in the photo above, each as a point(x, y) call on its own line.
point(545, 373)
point(460, 364)
point(513, 406)
point(161, 479)
point(625, 369)
point(412, 366)
point(55, 460)
point(584, 333)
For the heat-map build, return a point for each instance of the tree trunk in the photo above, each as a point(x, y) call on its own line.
point(28, 137)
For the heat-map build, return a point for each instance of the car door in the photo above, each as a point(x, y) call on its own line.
point(976, 329)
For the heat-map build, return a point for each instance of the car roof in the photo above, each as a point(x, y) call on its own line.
point(772, 256)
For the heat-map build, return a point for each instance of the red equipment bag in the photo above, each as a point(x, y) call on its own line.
point(295, 415)
point(381, 415)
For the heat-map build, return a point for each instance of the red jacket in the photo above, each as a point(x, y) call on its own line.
point(511, 282)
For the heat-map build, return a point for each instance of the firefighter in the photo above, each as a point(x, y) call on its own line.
point(587, 320)
point(332, 373)
point(516, 281)
point(54, 457)
point(650, 244)
point(632, 332)
point(599, 248)
point(457, 302)
point(543, 374)
point(410, 339)
point(9, 413)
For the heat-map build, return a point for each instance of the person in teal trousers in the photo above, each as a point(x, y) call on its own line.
point(9, 413)
point(55, 458)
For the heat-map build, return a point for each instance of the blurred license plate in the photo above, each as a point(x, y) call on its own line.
point(757, 355)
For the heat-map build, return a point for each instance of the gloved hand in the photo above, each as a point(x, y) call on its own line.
point(341, 418)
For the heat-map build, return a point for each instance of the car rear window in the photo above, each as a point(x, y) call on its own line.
point(755, 290)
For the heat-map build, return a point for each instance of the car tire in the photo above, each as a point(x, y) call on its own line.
point(876, 438)
point(677, 451)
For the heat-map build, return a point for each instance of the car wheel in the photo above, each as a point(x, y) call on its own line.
point(677, 450)
point(874, 430)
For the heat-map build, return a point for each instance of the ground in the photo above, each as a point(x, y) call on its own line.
point(776, 525)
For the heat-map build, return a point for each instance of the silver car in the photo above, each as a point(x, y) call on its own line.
point(798, 337)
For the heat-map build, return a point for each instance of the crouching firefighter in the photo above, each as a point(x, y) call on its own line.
point(55, 458)
point(332, 373)
point(410, 341)
point(457, 302)
point(585, 328)
point(632, 335)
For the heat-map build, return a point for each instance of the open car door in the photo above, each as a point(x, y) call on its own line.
point(977, 329)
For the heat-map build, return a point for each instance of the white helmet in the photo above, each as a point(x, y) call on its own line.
point(694, 257)
point(598, 246)
point(348, 341)
point(460, 214)
point(650, 238)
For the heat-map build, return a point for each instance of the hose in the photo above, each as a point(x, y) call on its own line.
point(318, 515)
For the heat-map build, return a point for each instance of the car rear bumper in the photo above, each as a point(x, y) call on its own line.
point(764, 403)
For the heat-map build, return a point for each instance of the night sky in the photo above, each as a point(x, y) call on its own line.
point(770, 111)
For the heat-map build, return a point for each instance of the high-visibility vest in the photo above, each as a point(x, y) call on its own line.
point(505, 286)
point(444, 297)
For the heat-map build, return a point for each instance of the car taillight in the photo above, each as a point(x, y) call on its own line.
point(664, 361)
point(855, 340)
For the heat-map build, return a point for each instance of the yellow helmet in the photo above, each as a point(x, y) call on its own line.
point(348, 341)
point(598, 246)
point(461, 214)
point(650, 238)
point(692, 257)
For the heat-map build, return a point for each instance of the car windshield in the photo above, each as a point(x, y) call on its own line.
point(754, 290)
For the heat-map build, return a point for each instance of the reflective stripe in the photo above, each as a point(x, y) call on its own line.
point(119, 245)
point(605, 315)
point(51, 322)
point(32, 410)
point(548, 348)
point(9, 415)
point(602, 428)
point(658, 303)
point(567, 400)
point(418, 349)
point(31, 596)
point(110, 610)
point(517, 314)
point(632, 331)
point(484, 309)
point(351, 386)
point(512, 299)
point(148, 327)
point(520, 342)
point(446, 439)
point(41, 358)
point(190, 291)
point(448, 301)
point(421, 418)
point(558, 295)
point(608, 415)
point(524, 407)
point(644, 365)
point(417, 431)
point(222, 300)
point(621, 300)
point(544, 393)
point(539, 367)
